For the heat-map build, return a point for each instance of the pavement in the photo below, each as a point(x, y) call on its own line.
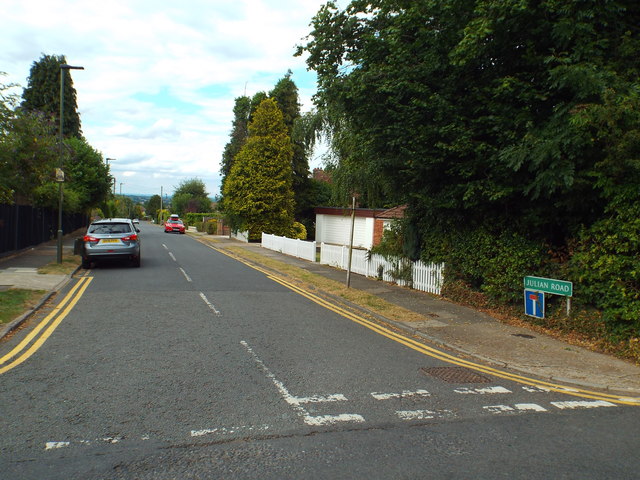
point(451, 326)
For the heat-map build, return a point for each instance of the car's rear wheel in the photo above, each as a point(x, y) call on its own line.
point(86, 263)
point(136, 262)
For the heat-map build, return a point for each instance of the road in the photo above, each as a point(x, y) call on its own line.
point(199, 366)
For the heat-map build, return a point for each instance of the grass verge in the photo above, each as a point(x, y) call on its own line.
point(67, 267)
point(15, 301)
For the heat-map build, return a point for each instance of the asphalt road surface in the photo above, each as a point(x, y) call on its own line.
point(198, 366)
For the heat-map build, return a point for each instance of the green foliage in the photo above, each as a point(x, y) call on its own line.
point(492, 261)
point(190, 196)
point(86, 174)
point(481, 115)
point(163, 215)
point(258, 191)
point(606, 268)
point(192, 218)
point(392, 241)
point(211, 226)
point(29, 154)
point(43, 93)
point(285, 93)
point(239, 134)
point(466, 110)
point(298, 230)
point(153, 205)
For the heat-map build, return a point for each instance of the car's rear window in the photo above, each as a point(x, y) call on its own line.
point(106, 228)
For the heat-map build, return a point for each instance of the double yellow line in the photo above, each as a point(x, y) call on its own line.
point(32, 342)
point(435, 353)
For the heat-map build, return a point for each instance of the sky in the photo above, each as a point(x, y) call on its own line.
point(160, 77)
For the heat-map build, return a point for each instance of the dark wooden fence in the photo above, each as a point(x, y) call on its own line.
point(23, 226)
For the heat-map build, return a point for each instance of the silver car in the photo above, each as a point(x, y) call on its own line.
point(111, 239)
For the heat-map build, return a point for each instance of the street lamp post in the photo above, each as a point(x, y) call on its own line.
point(60, 172)
point(114, 179)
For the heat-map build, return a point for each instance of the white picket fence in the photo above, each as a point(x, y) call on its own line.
point(426, 277)
point(290, 246)
point(242, 236)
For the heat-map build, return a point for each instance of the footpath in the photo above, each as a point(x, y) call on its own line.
point(445, 324)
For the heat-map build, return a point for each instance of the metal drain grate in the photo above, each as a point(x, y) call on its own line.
point(522, 335)
point(455, 375)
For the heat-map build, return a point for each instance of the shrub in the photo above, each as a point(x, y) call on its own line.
point(496, 263)
point(192, 218)
point(606, 267)
point(211, 226)
point(298, 230)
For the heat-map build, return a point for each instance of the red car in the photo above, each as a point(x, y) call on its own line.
point(174, 225)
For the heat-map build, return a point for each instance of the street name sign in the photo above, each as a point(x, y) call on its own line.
point(549, 285)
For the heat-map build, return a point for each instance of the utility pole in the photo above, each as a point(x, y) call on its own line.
point(59, 171)
point(353, 221)
point(160, 213)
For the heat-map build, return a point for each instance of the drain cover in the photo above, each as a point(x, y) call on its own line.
point(455, 375)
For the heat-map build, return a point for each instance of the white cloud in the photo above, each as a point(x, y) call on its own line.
point(160, 77)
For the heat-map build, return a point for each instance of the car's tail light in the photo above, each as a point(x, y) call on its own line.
point(89, 238)
point(130, 238)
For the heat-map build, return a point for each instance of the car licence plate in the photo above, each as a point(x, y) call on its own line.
point(110, 240)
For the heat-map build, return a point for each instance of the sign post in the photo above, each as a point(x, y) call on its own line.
point(549, 285)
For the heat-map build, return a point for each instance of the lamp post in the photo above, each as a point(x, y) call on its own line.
point(114, 179)
point(60, 172)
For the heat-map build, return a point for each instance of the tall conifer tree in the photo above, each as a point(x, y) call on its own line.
point(258, 190)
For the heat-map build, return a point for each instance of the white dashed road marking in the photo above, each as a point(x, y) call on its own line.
point(423, 414)
point(520, 407)
point(582, 404)
point(296, 402)
point(55, 445)
point(229, 430)
point(185, 275)
point(404, 394)
point(210, 305)
point(481, 391)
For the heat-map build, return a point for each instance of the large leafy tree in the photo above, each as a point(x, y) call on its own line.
point(87, 182)
point(258, 191)
point(43, 93)
point(513, 121)
point(28, 150)
point(153, 205)
point(191, 196)
point(475, 112)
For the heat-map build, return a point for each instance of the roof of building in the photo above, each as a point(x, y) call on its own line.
point(395, 212)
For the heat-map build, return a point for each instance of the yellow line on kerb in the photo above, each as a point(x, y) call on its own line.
point(435, 353)
point(59, 313)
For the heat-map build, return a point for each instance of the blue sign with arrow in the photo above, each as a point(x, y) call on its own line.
point(534, 303)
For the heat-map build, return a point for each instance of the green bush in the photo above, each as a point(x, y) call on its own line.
point(606, 268)
point(298, 230)
point(193, 218)
point(211, 226)
point(496, 263)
